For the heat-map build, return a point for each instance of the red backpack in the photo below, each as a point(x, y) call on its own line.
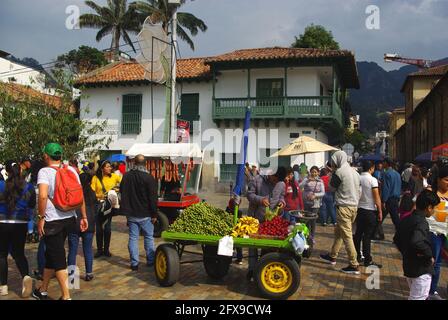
point(68, 194)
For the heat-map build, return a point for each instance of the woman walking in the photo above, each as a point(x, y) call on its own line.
point(328, 209)
point(87, 236)
point(17, 200)
point(313, 191)
point(103, 182)
point(293, 196)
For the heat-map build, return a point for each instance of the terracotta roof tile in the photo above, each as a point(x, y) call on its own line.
point(21, 93)
point(199, 68)
point(278, 53)
point(434, 71)
point(194, 68)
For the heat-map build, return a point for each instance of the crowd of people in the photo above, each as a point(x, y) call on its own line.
point(354, 201)
point(30, 199)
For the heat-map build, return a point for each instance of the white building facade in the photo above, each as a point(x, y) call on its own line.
point(291, 93)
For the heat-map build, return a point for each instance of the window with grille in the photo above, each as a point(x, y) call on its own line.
point(132, 114)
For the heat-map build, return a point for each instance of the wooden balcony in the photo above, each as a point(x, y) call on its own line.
point(318, 108)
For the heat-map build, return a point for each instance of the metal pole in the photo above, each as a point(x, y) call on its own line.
point(173, 76)
point(152, 91)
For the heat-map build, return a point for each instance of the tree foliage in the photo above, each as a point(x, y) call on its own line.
point(82, 60)
point(161, 12)
point(29, 121)
point(316, 36)
point(358, 139)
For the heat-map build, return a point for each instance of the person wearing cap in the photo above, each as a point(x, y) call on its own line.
point(25, 168)
point(53, 224)
point(390, 196)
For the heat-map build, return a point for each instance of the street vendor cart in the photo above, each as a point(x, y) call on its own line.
point(179, 164)
point(277, 272)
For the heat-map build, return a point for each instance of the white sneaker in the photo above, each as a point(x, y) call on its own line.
point(3, 290)
point(435, 296)
point(27, 286)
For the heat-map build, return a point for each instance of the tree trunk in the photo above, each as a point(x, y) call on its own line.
point(116, 44)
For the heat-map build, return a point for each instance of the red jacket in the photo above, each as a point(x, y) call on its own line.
point(291, 203)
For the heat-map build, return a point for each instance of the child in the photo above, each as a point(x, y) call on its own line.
point(406, 205)
point(414, 242)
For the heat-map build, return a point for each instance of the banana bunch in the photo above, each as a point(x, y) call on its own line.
point(245, 227)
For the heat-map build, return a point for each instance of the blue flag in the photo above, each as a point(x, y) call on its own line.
point(241, 166)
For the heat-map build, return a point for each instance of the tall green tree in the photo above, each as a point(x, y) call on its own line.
point(161, 12)
point(81, 60)
point(316, 36)
point(29, 120)
point(117, 19)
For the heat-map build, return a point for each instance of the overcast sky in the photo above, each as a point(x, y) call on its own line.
point(413, 28)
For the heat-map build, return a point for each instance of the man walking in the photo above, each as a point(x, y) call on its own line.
point(390, 196)
point(53, 224)
point(348, 191)
point(369, 214)
point(139, 204)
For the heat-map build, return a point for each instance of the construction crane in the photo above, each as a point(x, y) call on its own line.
point(395, 57)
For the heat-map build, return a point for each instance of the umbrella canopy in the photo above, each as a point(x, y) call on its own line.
point(303, 145)
point(372, 157)
point(424, 157)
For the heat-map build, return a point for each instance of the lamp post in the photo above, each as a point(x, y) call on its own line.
point(176, 4)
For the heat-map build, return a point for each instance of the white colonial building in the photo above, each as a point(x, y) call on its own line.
point(16, 73)
point(291, 92)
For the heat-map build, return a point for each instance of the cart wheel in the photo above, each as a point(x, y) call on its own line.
point(166, 265)
point(277, 275)
point(216, 266)
point(161, 225)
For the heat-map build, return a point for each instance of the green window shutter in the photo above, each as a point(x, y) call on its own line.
point(228, 170)
point(189, 109)
point(132, 114)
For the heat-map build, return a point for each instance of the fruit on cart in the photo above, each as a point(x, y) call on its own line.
point(202, 218)
point(277, 227)
point(271, 214)
point(245, 227)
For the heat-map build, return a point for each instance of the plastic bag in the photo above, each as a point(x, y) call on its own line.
point(225, 247)
point(299, 243)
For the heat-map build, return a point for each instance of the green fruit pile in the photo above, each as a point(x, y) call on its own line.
point(202, 218)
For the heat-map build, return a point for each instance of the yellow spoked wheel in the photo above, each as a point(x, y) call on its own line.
point(161, 268)
point(277, 275)
point(167, 265)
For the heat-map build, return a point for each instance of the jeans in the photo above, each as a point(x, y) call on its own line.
point(366, 222)
point(135, 225)
point(103, 232)
point(12, 235)
point(87, 241)
point(41, 256)
point(392, 205)
point(287, 216)
point(328, 208)
point(437, 242)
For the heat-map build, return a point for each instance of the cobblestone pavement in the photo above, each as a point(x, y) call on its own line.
point(114, 279)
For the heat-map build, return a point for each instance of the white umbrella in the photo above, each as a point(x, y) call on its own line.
point(303, 145)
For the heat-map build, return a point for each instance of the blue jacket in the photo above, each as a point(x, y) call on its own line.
point(391, 187)
point(24, 204)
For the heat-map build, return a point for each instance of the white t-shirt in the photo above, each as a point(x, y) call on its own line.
point(368, 182)
point(48, 176)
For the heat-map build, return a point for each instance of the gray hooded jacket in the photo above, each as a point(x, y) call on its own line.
point(345, 181)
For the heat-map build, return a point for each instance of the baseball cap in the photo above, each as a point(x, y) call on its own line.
point(53, 149)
